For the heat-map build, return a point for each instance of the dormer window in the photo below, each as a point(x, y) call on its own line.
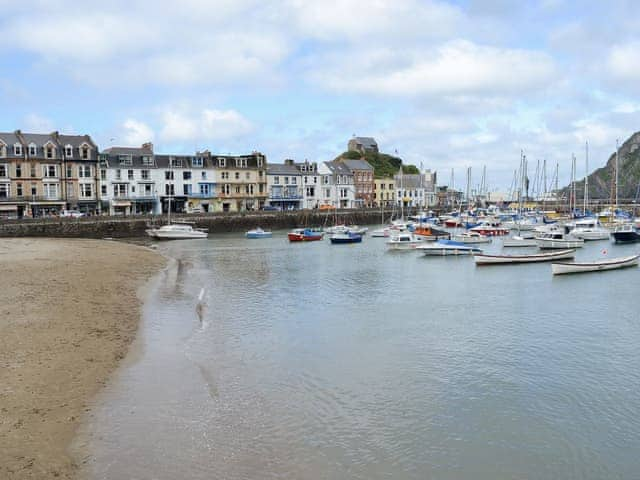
point(196, 162)
point(147, 160)
point(222, 162)
point(84, 152)
point(3, 150)
point(49, 151)
point(17, 149)
point(124, 159)
point(176, 162)
point(32, 149)
point(68, 151)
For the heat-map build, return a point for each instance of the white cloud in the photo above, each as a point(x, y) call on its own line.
point(623, 61)
point(37, 123)
point(457, 67)
point(183, 124)
point(136, 133)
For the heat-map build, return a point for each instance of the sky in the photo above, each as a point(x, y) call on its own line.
point(448, 85)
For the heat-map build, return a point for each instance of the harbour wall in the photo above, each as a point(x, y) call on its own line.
point(135, 226)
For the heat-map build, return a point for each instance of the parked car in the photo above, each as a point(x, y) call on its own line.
point(72, 213)
point(270, 208)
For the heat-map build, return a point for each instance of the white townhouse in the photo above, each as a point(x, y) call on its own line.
point(187, 183)
point(311, 192)
point(129, 181)
point(337, 188)
point(416, 190)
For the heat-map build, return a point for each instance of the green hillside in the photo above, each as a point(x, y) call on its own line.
point(384, 165)
point(600, 181)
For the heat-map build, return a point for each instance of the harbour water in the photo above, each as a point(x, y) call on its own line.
point(326, 361)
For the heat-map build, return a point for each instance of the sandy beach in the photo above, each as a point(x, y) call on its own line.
point(69, 311)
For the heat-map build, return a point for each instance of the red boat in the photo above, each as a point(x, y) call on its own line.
point(490, 229)
point(304, 235)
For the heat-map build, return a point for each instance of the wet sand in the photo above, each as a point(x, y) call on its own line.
point(69, 310)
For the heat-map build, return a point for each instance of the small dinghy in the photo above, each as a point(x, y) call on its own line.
point(482, 259)
point(562, 268)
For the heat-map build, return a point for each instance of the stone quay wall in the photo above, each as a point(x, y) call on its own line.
point(135, 226)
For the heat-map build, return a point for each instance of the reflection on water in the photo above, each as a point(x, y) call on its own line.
point(263, 359)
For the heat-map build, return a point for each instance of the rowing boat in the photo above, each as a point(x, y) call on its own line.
point(561, 268)
point(482, 259)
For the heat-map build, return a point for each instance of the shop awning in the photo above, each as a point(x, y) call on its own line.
point(120, 203)
point(8, 208)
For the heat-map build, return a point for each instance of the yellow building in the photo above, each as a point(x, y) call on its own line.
point(384, 192)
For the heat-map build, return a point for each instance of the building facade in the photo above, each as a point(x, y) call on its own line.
point(337, 188)
point(284, 184)
point(240, 181)
point(416, 190)
point(362, 172)
point(43, 174)
point(384, 192)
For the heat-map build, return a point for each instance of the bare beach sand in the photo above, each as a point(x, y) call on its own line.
point(69, 310)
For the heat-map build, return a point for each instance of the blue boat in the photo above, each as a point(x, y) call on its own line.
point(348, 237)
point(258, 233)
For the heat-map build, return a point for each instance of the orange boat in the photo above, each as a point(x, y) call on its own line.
point(430, 233)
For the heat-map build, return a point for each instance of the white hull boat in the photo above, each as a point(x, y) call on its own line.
point(447, 247)
point(590, 229)
point(471, 237)
point(519, 241)
point(176, 231)
point(482, 259)
point(404, 241)
point(562, 268)
point(558, 240)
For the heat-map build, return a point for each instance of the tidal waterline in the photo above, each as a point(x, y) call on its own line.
point(323, 361)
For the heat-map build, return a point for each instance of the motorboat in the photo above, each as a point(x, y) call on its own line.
point(404, 241)
point(590, 229)
point(519, 241)
point(304, 235)
point(626, 233)
point(558, 240)
point(258, 233)
point(490, 229)
point(447, 247)
point(482, 259)
point(471, 237)
point(430, 233)
point(561, 268)
point(348, 237)
point(177, 231)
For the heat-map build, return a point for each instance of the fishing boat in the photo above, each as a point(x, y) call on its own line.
point(626, 233)
point(258, 233)
point(471, 237)
point(490, 229)
point(304, 235)
point(404, 241)
point(177, 231)
point(482, 259)
point(347, 237)
point(561, 268)
point(430, 233)
point(590, 229)
point(447, 247)
point(558, 240)
point(519, 241)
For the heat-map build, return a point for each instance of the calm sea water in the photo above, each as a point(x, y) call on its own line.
point(328, 361)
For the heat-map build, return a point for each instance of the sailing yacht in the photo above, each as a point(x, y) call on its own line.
point(175, 231)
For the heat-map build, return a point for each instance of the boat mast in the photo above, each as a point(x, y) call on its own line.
point(617, 155)
point(586, 176)
point(572, 200)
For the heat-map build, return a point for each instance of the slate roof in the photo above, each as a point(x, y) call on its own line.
point(410, 181)
point(366, 142)
point(282, 169)
point(338, 168)
point(358, 165)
